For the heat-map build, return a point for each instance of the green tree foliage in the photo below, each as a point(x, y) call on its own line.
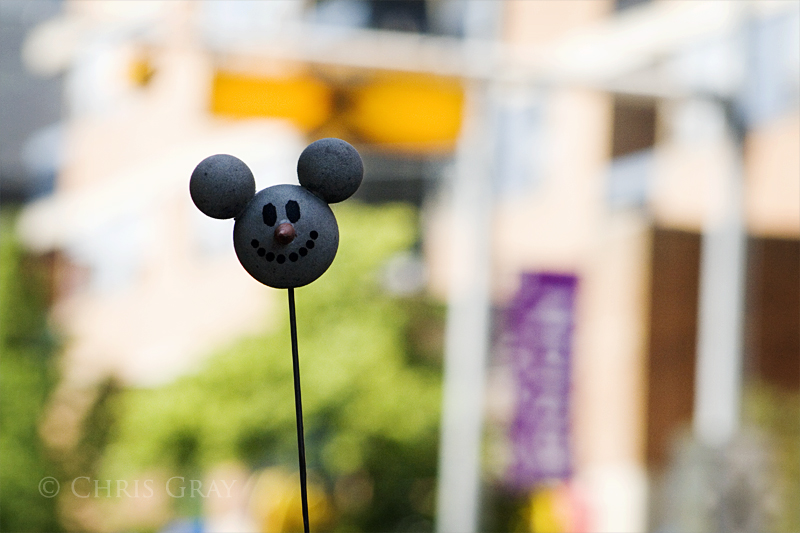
point(26, 350)
point(776, 412)
point(370, 371)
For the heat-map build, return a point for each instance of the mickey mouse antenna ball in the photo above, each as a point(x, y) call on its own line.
point(285, 236)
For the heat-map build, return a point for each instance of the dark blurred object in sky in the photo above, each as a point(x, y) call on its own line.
point(442, 17)
point(399, 15)
point(30, 107)
point(620, 5)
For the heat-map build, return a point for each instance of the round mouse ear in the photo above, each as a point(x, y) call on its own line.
point(331, 169)
point(221, 186)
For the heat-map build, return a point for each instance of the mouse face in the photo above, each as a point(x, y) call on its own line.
point(285, 236)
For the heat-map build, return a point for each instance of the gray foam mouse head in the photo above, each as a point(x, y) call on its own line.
point(284, 236)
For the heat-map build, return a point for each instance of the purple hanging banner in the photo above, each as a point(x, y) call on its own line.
point(540, 324)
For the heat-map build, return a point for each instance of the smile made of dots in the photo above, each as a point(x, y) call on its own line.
point(280, 258)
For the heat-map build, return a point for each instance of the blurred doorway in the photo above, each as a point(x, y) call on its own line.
point(673, 336)
point(773, 313)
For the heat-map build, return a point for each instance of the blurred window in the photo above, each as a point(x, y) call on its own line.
point(30, 106)
point(521, 142)
point(399, 15)
point(673, 334)
point(398, 178)
point(441, 17)
point(351, 13)
point(773, 83)
point(633, 137)
point(634, 126)
point(629, 179)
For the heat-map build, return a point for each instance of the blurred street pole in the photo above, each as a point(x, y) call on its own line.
point(468, 307)
point(467, 328)
point(723, 257)
point(721, 309)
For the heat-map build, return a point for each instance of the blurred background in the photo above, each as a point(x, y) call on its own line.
point(566, 297)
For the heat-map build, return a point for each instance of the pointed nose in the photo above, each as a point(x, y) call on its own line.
point(285, 233)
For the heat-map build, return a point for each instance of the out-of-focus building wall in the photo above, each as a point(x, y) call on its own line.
point(562, 223)
point(633, 175)
point(627, 156)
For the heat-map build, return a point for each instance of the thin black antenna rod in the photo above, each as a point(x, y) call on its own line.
point(298, 406)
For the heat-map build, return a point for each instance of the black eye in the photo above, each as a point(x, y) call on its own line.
point(292, 211)
point(270, 215)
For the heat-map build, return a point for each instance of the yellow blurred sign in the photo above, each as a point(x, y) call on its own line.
point(302, 99)
point(409, 111)
point(401, 111)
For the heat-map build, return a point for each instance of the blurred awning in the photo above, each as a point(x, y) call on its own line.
point(598, 56)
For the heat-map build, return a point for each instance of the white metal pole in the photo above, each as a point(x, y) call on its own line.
point(467, 328)
point(468, 316)
point(721, 306)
